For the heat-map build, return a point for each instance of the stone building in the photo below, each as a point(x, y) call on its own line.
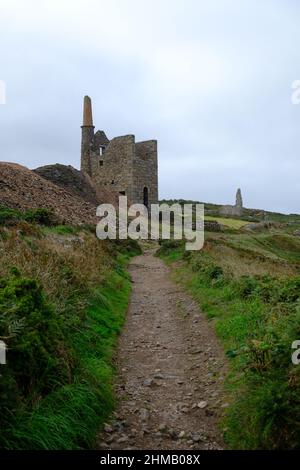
point(237, 209)
point(121, 165)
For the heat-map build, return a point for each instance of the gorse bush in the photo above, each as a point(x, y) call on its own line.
point(289, 291)
point(126, 247)
point(33, 334)
point(9, 215)
point(40, 216)
point(70, 415)
point(167, 246)
point(246, 286)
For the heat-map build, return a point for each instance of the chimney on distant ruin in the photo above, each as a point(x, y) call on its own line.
point(87, 135)
point(239, 199)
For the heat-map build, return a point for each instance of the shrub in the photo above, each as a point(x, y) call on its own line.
point(290, 290)
point(33, 333)
point(214, 272)
point(246, 286)
point(9, 216)
point(40, 216)
point(168, 246)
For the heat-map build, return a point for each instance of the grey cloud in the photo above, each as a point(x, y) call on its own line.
point(224, 121)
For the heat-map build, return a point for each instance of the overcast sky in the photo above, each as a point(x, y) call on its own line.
point(209, 79)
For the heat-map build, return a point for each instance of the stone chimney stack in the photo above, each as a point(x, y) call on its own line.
point(87, 112)
point(87, 135)
point(239, 199)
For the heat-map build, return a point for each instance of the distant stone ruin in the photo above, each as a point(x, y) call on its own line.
point(236, 210)
point(121, 164)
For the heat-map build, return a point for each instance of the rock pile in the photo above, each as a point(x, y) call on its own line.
point(23, 189)
point(77, 183)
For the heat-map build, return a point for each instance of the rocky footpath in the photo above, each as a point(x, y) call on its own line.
point(171, 369)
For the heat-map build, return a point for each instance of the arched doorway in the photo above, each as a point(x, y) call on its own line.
point(145, 197)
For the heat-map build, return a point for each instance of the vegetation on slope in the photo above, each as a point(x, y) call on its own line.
point(228, 221)
point(63, 296)
point(9, 216)
point(249, 287)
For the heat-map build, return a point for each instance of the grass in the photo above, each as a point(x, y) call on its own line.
point(62, 305)
point(250, 254)
point(61, 230)
point(228, 222)
point(257, 317)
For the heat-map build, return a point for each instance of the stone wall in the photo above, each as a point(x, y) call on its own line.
point(231, 211)
point(114, 169)
point(145, 172)
point(100, 139)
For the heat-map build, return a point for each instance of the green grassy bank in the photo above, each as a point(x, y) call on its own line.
point(63, 299)
point(256, 314)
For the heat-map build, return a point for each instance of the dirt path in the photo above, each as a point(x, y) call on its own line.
point(171, 369)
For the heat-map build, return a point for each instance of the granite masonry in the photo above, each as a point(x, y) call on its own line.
point(121, 165)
